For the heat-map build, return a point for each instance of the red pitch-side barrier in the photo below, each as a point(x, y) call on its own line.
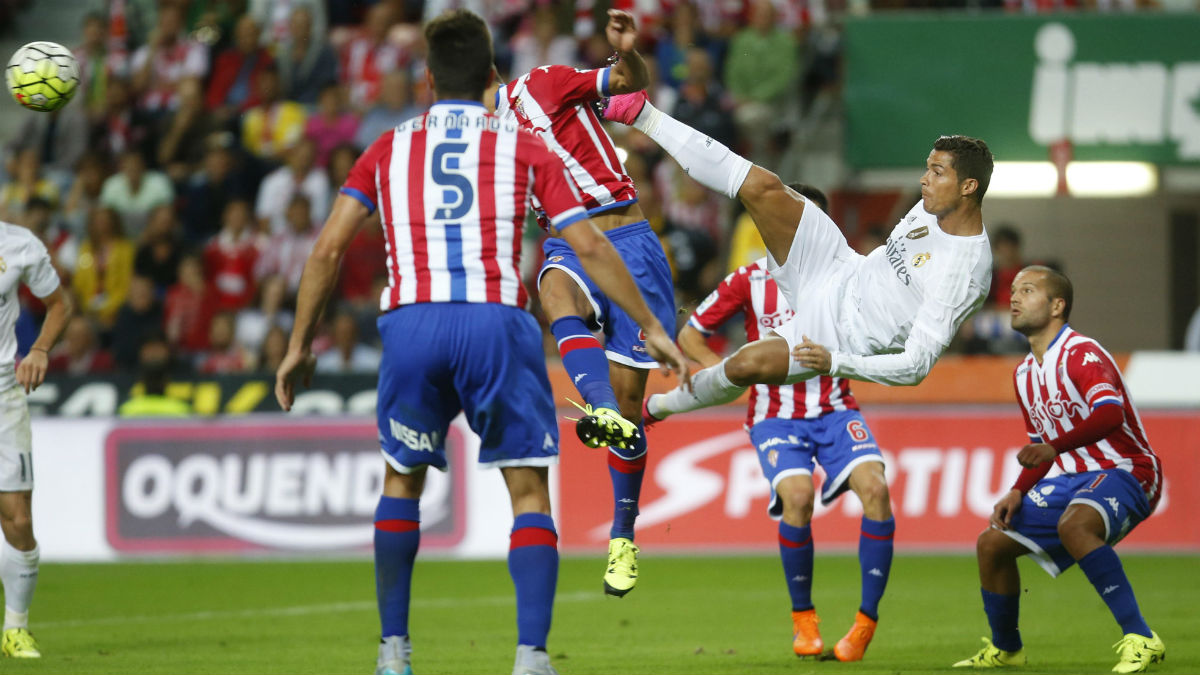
point(704, 489)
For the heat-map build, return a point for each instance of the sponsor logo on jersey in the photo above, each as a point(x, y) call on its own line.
point(895, 256)
point(920, 259)
point(1036, 498)
point(1100, 388)
point(1114, 504)
point(918, 233)
point(775, 319)
point(1047, 490)
point(777, 440)
point(1043, 414)
point(556, 259)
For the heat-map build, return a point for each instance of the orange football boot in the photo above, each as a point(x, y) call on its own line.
point(854, 645)
point(805, 633)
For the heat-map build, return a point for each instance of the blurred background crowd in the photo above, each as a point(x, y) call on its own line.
point(182, 189)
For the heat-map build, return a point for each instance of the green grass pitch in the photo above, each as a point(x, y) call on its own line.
point(689, 615)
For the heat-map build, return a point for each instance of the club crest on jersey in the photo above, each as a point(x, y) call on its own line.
point(918, 233)
point(773, 457)
point(3, 266)
point(556, 258)
point(920, 259)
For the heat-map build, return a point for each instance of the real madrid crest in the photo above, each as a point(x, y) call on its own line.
point(920, 259)
point(3, 266)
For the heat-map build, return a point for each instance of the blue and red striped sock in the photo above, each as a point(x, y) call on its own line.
point(1003, 612)
point(875, 561)
point(1104, 569)
point(397, 537)
point(626, 469)
point(584, 360)
point(796, 552)
point(533, 565)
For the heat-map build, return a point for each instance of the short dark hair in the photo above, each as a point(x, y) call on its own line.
point(1057, 286)
point(813, 194)
point(972, 159)
point(460, 54)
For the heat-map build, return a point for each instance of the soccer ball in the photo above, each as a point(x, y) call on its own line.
point(42, 76)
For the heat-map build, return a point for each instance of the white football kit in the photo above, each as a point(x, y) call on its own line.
point(23, 259)
point(887, 316)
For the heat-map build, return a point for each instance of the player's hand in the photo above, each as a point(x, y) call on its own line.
point(621, 31)
point(32, 371)
point(295, 365)
point(1005, 509)
point(663, 349)
point(812, 356)
point(1034, 454)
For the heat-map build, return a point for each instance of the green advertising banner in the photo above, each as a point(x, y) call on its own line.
point(1116, 87)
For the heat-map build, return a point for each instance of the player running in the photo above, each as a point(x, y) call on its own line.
point(23, 259)
point(884, 317)
point(791, 426)
point(1079, 417)
point(555, 102)
point(453, 186)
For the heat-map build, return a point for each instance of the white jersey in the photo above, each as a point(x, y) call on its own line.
point(885, 317)
point(23, 259)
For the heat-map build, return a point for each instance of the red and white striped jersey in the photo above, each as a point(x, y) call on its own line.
point(453, 186)
point(553, 102)
point(1075, 377)
point(751, 291)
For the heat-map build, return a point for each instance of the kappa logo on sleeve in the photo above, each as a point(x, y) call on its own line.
point(1090, 357)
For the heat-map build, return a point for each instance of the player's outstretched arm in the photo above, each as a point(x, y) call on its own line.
point(604, 265)
point(630, 73)
point(320, 275)
point(32, 371)
point(694, 345)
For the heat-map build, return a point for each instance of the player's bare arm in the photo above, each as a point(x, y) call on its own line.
point(32, 371)
point(320, 275)
point(630, 72)
point(695, 347)
point(1005, 509)
point(813, 356)
point(604, 265)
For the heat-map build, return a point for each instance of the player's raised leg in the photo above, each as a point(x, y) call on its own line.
point(1000, 586)
point(533, 565)
point(874, 554)
point(775, 208)
point(1084, 534)
point(764, 361)
point(626, 468)
point(397, 538)
point(19, 571)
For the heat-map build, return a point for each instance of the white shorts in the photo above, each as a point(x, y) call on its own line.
point(813, 279)
point(16, 442)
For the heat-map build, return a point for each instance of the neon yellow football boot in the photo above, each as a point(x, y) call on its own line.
point(622, 573)
point(19, 644)
point(992, 656)
point(1137, 652)
point(604, 427)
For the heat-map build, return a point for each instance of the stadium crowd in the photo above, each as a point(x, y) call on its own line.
point(181, 191)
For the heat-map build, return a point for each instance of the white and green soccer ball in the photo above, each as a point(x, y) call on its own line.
point(42, 76)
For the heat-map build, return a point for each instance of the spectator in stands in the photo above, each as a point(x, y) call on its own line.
point(139, 319)
point(26, 181)
point(224, 354)
point(541, 43)
point(254, 323)
point(368, 56)
point(307, 63)
point(154, 366)
point(347, 355)
point(284, 254)
point(275, 17)
point(332, 124)
point(341, 160)
point(683, 33)
point(60, 139)
point(1007, 261)
point(229, 258)
point(274, 348)
point(60, 242)
point(183, 133)
point(205, 194)
point(79, 353)
point(135, 191)
point(362, 267)
point(702, 103)
point(169, 57)
point(159, 252)
point(105, 268)
point(761, 72)
point(84, 194)
point(233, 87)
point(123, 126)
point(188, 308)
point(394, 106)
point(274, 126)
point(299, 176)
point(128, 23)
point(695, 220)
point(95, 67)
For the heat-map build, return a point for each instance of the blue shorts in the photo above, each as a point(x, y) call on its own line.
point(643, 255)
point(443, 358)
point(1114, 493)
point(837, 441)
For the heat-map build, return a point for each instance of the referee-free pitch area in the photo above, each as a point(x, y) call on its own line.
point(688, 615)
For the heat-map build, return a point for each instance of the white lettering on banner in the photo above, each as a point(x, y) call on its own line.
point(1111, 103)
point(745, 483)
point(949, 489)
point(918, 465)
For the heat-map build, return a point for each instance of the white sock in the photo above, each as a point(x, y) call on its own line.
point(712, 164)
point(709, 387)
point(19, 572)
